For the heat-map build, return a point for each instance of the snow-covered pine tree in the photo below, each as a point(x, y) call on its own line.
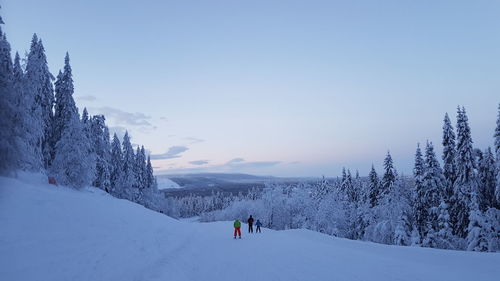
point(116, 167)
point(8, 155)
point(128, 180)
point(433, 179)
point(35, 124)
point(421, 210)
point(320, 190)
point(144, 169)
point(444, 236)
point(139, 168)
point(389, 174)
point(150, 179)
point(22, 126)
point(486, 175)
point(86, 119)
point(497, 161)
point(106, 178)
point(477, 232)
point(352, 191)
point(73, 165)
point(65, 107)
point(343, 182)
point(373, 187)
point(449, 169)
point(465, 186)
point(86, 125)
point(102, 148)
point(433, 183)
point(39, 84)
point(391, 223)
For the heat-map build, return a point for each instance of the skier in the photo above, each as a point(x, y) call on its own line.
point(250, 224)
point(237, 226)
point(258, 224)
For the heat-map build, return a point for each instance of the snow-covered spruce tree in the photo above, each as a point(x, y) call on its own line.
point(434, 184)
point(116, 174)
point(39, 85)
point(65, 108)
point(486, 174)
point(128, 179)
point(357, 211)
point(373, 187)
point(8, 151)
point(102, 148)
point(150, 178)
point(320, 190)
point(22, 126)
point(347, 186)
point(421, 210)
point(497, 161)
point(433, 178)
point(352, 191)
point(343, 181)
point(140, 168)
point(392, 224)
point(465, 186)
point(449, 154)
point(477, 232)
point(73, 165)
point(86, 123)
point(492, 218)
point(144, 168)
point(444, 238)
point(389, 174)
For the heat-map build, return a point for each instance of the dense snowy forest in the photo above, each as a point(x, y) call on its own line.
point(42, 131)
point(452, 206)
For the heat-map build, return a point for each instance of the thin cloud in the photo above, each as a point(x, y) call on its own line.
point(239, 163)
point(233, 165)
point(173, 152)
point(123, 118)
point(235, 160)
point(199, 162)
point(193, 140)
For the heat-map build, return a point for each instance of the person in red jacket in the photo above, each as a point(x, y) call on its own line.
point(250, 224)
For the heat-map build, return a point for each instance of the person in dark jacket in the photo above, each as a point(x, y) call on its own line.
point(258, 224)
point(250, 224)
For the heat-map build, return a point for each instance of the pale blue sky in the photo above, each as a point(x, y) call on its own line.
point(286, 88)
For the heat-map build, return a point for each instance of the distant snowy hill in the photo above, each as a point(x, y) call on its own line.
point(57, 233)
point(205, 183)
point(164, 182)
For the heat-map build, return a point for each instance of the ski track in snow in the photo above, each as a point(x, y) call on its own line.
point(56, 233)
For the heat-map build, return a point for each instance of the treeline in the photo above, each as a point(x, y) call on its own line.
point(453, 206)
point(42, 131)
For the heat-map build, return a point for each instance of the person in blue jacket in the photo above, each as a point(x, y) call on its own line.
point(258, 224)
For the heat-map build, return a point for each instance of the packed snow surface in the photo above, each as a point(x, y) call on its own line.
point(57, 233)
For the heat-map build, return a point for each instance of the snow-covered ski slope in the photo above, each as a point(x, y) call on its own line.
point(57, 233)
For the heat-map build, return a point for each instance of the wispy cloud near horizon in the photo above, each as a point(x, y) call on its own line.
point(233, 165)
point(199, 162)
point(124, 118)
point(173, 152)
